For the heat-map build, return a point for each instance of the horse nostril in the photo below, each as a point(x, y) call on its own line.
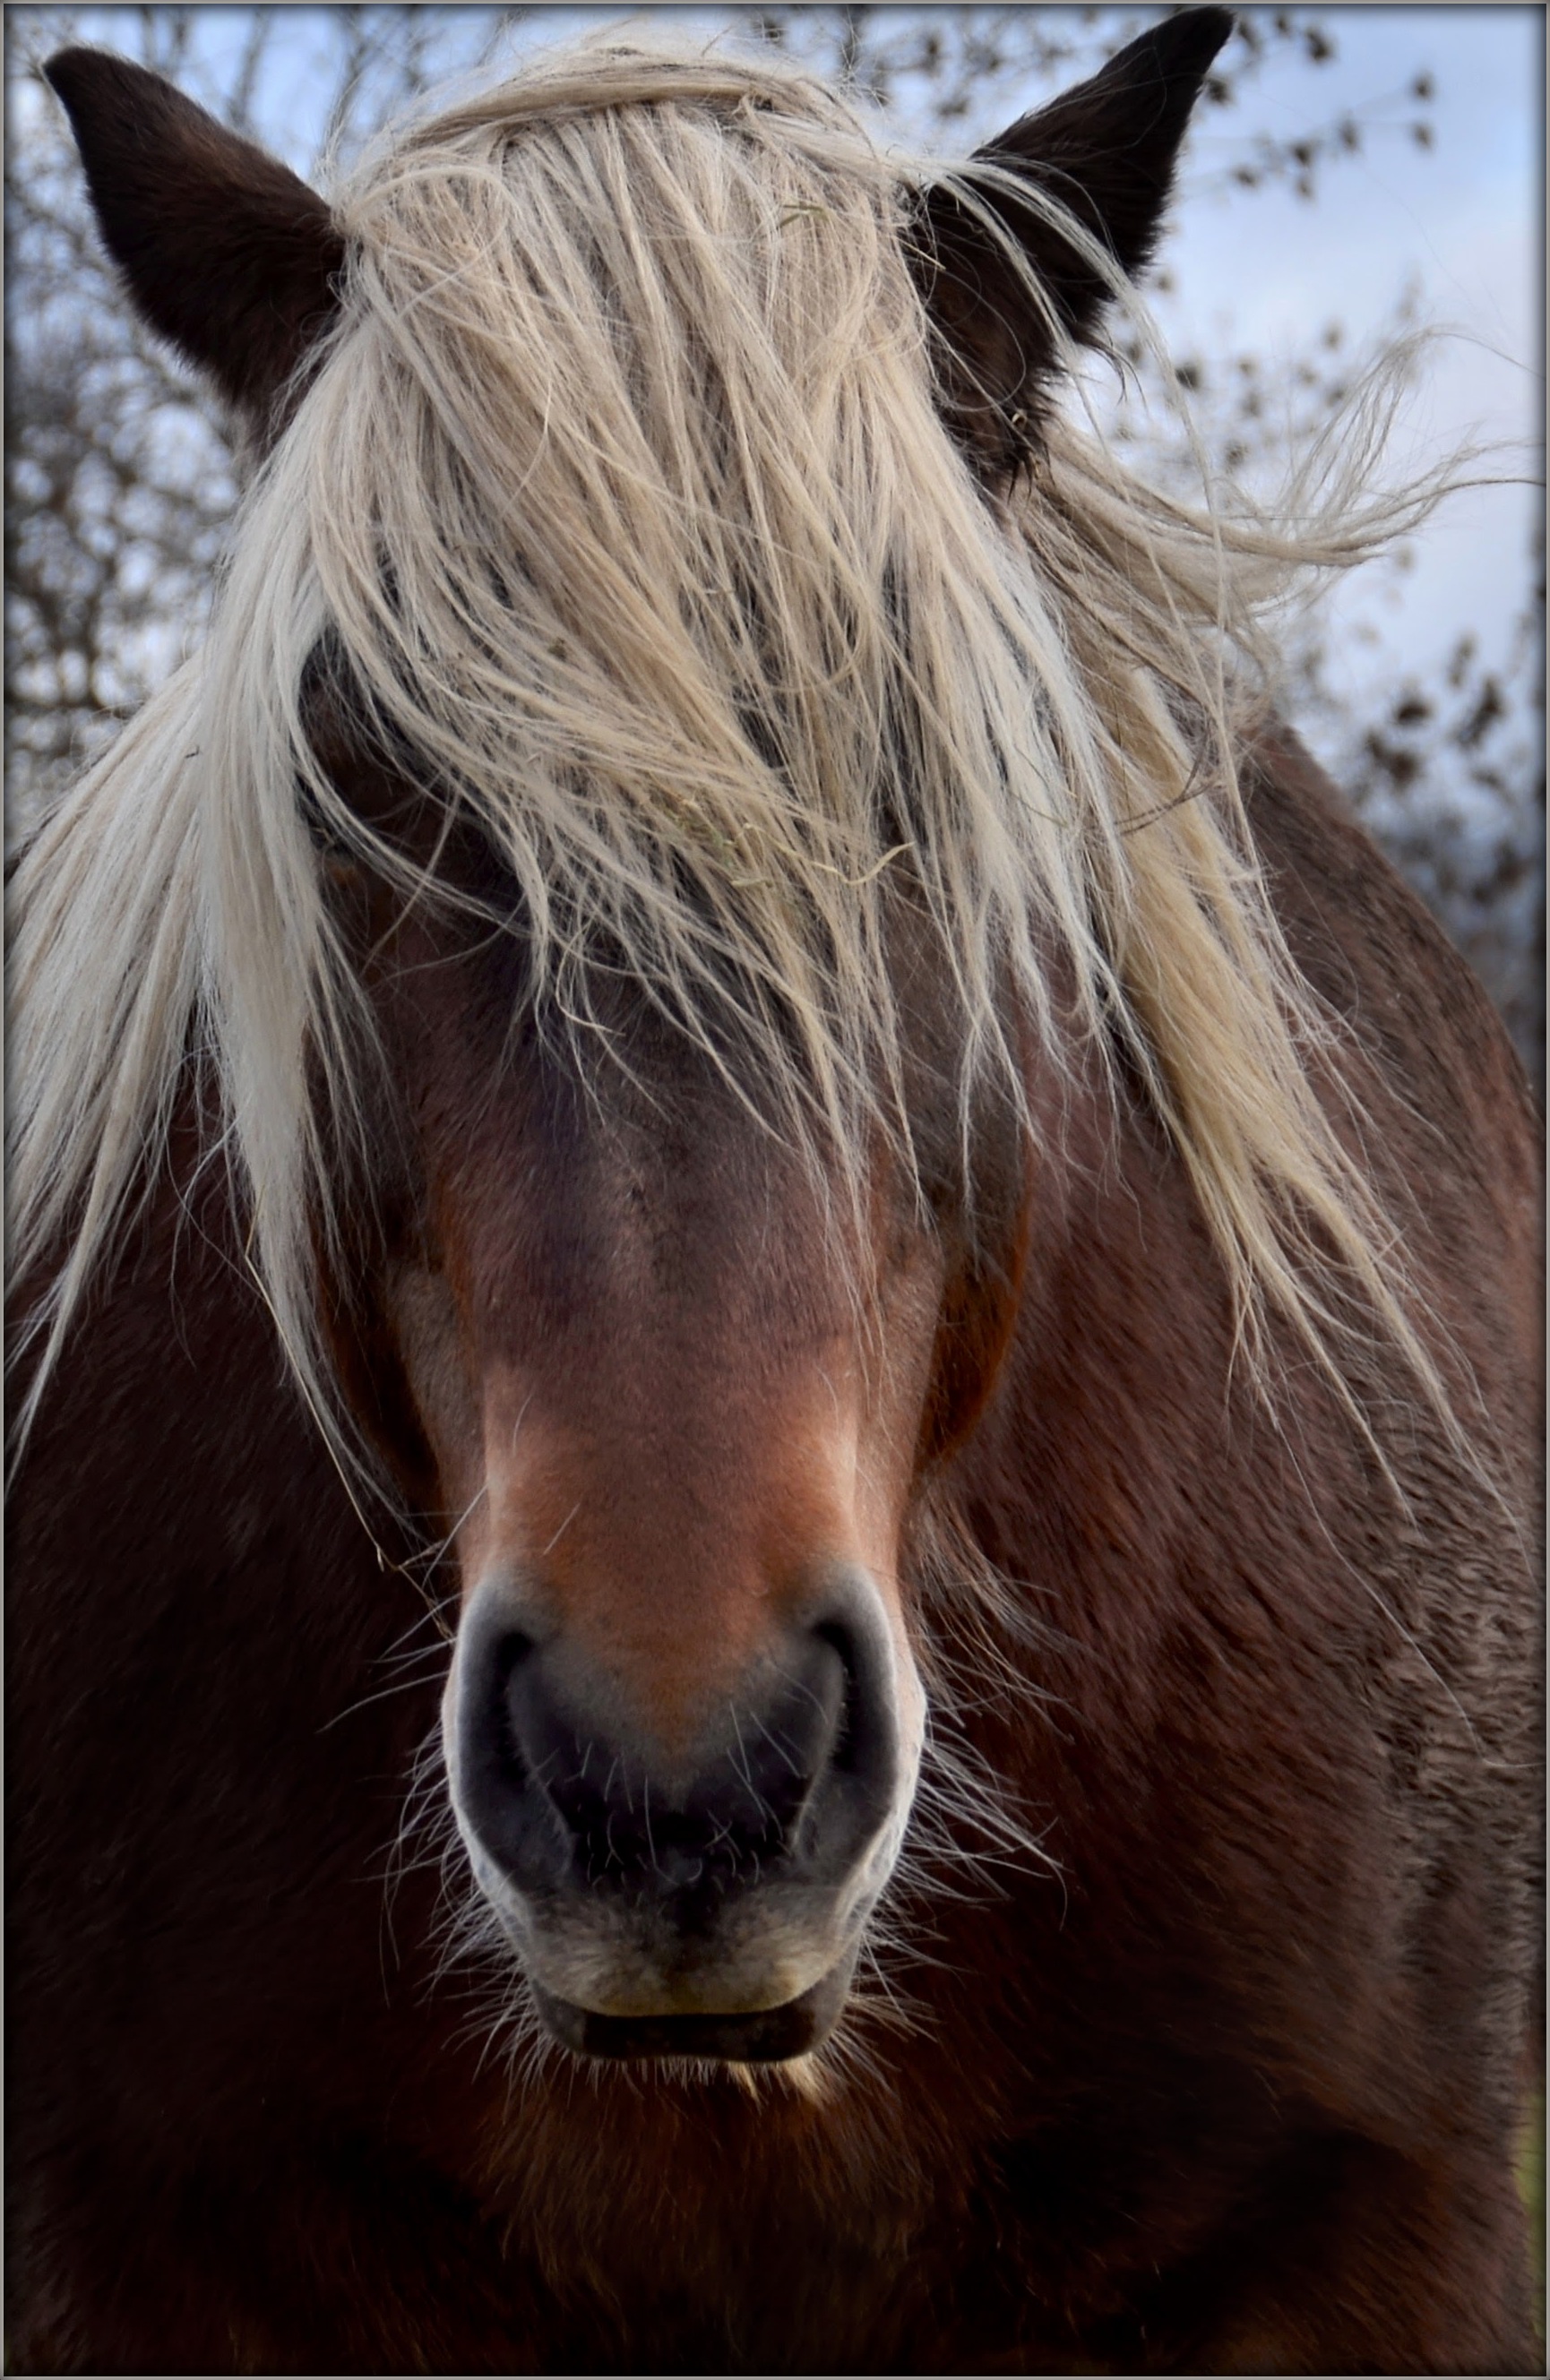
point(507, 1656)
point(841, 1642)
point(856, 1787)
point(499, 1779)
point(784, 1748)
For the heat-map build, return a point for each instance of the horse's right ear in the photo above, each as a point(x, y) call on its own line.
point(224, 250)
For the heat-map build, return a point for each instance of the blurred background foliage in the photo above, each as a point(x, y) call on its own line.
point(121, 479)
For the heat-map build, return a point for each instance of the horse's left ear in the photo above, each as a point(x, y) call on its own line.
point(1107, 151)
point(224, 250)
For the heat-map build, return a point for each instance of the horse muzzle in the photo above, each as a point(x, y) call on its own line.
point(707, 1902)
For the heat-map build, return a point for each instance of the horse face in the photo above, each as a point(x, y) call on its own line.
point(675, 1413)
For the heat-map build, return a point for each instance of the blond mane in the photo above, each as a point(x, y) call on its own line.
point(620, 488)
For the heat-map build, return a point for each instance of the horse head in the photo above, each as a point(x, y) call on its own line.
point(665, 1347)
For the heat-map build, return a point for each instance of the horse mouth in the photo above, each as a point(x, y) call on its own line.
point(748, 2037)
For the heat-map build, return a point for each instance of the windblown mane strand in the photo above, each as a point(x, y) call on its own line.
point(620, 490)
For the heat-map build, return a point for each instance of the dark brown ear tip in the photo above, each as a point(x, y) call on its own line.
point(1175, 54)
point(66, 69)
point(73, 74)
point(101, 93)
point(1195, 35)
point(118, 112)
point(65, 64)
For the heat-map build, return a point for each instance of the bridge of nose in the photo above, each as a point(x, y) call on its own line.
point(679, 1551)
point(673, 1435)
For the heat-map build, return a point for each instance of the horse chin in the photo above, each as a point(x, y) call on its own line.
point(610, 1983)
point(744, 2037)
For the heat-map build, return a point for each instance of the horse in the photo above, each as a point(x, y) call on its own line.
point(775, 1325)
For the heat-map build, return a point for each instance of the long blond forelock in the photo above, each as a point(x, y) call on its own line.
point(620, 489)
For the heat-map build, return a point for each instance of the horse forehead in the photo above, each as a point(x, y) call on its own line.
point(620, 1183)
point(635, 1161)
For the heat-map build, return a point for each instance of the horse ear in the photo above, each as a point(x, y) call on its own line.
point(224, 250)
point(1107, 151)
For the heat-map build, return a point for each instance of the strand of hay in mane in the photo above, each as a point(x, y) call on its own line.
point(619, 498)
